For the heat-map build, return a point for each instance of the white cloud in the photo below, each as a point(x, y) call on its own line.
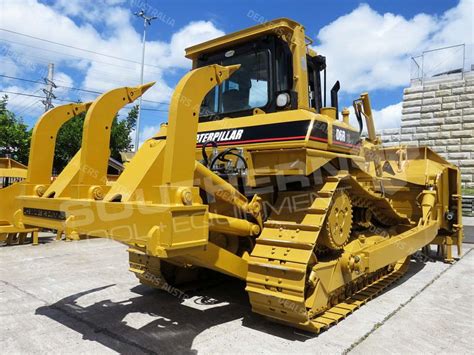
point(367, 50)
point(147, 132)
point(22, 105)
point(64, 79)
point(8, 67)
point(32, 105)
point(75, 23)
point(387, 117)
point(456, 25)
point(92, 11)
point(194, 33)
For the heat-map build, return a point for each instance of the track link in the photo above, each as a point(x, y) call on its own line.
point(340, 311)
point(280, 264)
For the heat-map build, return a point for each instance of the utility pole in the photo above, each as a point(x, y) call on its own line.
point(146, 22)
point(50, 85)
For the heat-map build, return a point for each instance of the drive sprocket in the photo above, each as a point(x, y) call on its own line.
point(338, 224)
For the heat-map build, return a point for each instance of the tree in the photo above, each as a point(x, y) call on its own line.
point(70, 138)
point(68, 142)
point(14, 134)
point(120, 138)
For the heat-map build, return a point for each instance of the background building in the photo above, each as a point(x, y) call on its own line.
point(438, 108)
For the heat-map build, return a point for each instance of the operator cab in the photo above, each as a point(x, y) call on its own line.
point(265, 72)
point(264, 80)
point(278, 72)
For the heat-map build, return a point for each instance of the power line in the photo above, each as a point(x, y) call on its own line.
point(101, 92)
point(65, 54)
point(105, 75)
point(68, 100)
point(48, 91)
point(33, 95)
point(21, 101)
point(22, 79)
point(88, 59)
point(153, 109)
point(72, 88)
point(77, 48)
point(28, 107)
point(146, 109)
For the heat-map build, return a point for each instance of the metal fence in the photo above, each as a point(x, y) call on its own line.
point(439, 62)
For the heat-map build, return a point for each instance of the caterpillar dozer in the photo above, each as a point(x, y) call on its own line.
point(255, 177)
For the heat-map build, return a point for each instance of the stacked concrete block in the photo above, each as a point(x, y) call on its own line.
point(440, 114)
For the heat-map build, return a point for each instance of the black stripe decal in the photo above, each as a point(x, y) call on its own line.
point(295, 130)
point(274, 132)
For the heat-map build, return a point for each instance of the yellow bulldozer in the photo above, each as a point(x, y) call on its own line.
point(254, 176)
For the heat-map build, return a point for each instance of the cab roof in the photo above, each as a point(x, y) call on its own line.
point(278, 26)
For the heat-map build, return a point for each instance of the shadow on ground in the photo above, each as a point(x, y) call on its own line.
point(170, 325)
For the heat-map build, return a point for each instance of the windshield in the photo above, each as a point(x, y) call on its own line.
point(246, 89)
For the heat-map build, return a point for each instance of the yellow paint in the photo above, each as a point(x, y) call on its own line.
point(303, 263)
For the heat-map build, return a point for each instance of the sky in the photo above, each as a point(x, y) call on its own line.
point(96, 46)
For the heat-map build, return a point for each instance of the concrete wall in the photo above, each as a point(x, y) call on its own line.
point(440, 114)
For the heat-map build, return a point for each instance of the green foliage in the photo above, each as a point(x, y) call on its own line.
point(68, 142)
point(70, 138)
point(15, 137)
point(14, 134)
point(120, 139)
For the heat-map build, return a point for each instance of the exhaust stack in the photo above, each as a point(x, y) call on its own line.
point(334, 97)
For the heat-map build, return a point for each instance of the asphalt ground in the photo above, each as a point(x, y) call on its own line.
point(79, 297)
